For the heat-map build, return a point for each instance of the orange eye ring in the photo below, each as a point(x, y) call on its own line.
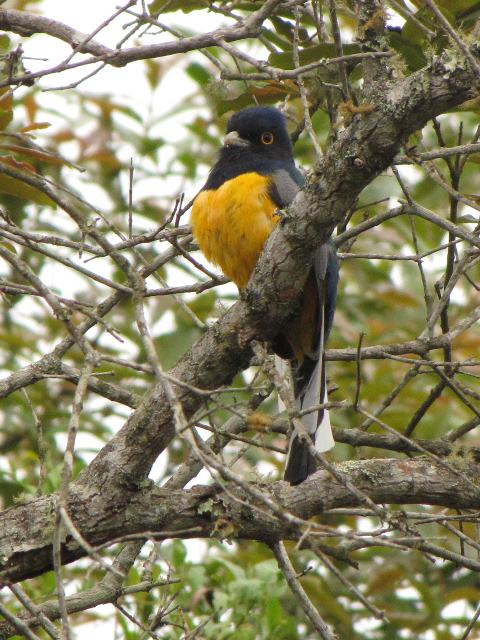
point(267, 137)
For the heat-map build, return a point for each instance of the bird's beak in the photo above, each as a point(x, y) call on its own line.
point(233, 139)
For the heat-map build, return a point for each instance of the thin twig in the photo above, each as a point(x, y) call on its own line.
point(310, 611)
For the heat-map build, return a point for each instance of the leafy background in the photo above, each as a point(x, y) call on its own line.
point(84, 139)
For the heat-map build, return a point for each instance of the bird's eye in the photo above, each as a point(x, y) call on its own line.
point(267, 137)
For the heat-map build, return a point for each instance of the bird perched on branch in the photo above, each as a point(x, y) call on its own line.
point(232, 216)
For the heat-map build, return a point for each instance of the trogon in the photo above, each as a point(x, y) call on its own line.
point(232, 216)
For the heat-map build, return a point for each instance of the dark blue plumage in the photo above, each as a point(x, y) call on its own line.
point(234, 159)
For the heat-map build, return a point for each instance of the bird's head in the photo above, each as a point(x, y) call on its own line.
point(261, 130)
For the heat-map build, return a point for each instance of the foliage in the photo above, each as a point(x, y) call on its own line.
point(393, 275)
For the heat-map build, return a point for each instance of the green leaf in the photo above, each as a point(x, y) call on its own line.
point(189, 161)
point(249, 590)
point(237, 572)
point(469, 105)
point(237, 104)
point(9, 246)
point(6, 111)
point(273, 613)
point(10, 488)
point(221, 600)
point(277, 40)
point(267, 570)
point(286, 28)
point(410, 51)
point(179, 553)
point(35, 154)
point(196, 576)
point(20, 189)
point(202, 305)
point(455, 10)
point(198, 73)
point(4, 42)
point(312, 54)
point(187, 6)
point(149, 145)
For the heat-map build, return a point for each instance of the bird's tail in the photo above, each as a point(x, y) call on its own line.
point(310, 378)
point(300, 462)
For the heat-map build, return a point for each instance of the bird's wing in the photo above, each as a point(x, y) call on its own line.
point(285, 184)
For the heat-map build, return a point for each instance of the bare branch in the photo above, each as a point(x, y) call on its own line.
point(298, 591)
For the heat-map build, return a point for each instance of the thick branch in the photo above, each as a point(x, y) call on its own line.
point(26, 530)
point(26, 24)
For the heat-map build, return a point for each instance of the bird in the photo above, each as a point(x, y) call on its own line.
point(253, 179)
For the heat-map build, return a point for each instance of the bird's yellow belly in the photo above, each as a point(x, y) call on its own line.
point(232, 223)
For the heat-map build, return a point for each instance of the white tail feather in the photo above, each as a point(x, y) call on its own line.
point(324, 437)
point(281, 367)
point(313, 395)
point(323, 433)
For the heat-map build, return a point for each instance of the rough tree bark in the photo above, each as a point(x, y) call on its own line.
point(27, 530)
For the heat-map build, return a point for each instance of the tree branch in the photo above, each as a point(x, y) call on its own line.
point(26, 530)
point(310, 611)
point(27, 24)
